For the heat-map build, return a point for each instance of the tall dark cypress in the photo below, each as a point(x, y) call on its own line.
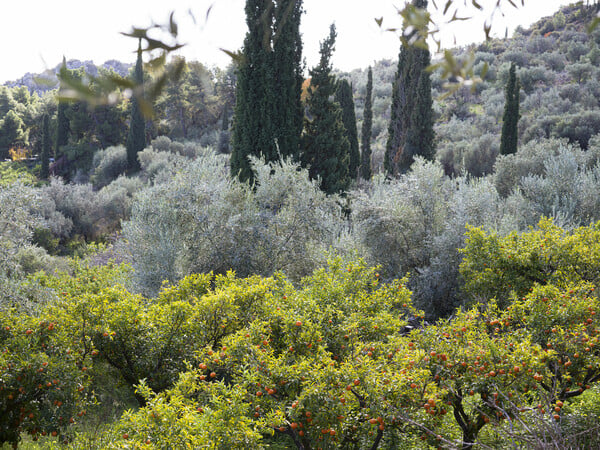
point(410, 132)
point(253, 120)
point(46, 148)
point(223, 144)
point(268, 113)
point(288, 72)
point(63, 127)
point(325, 147)
point(510, 119)
point(136, 138)
point(366, 132)
point(343, 96)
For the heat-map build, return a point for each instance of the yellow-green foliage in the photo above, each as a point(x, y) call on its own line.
point(495, 266)
point(42, 381)
point(173, 419)
point(338, 360)
point(331, 363)
point(11, 172)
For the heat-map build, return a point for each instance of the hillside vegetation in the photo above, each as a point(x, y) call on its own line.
point(175, 306)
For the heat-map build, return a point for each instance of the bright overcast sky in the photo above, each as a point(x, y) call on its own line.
point(36, 33)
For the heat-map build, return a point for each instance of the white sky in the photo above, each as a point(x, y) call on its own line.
point(35, 34)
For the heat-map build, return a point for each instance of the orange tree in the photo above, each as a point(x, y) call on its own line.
point(547, 279)
point(482, 374)
point(321, 365)
point(150, 339)
point(549, 275)
point(42, 381)
point(334, 364)
point(563, 322)
point(174, 419)
point(496, 266)
point(338, 362)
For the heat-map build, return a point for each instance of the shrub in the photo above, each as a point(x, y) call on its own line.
point(529, 160)
point(107, 165)
point(203, 221)
point(496, 266)
point(32, 259)
point(93, 214)
point(42, 384)
point(473, 156)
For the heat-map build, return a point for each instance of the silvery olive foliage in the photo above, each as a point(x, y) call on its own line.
point(108, 164)
point(416, 224)
point(533, 157)
point(78, 209)
point(568, 189)
point(202, 220)
point(18, 220)
point(163, 158)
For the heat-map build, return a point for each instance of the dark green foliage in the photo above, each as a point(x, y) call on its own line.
point(223, 144)
point(7, 101)
point(63, 128)
point(288, 70)
point(46, 148)
point(268, 112)
point(136, 139)
point(510, 119)
point(11, 133)
point(367, 127)
point(325, 147)
point(410, 131)
point(253, 128)
point(343, 96)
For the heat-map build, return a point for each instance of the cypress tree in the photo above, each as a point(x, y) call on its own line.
point(46, 148)
point(268, 113)
point(63, 128)
point(410, 132)
point(223, 144)
point(253, 128)
point(366, 132)
point(136, 138)
point(343, 96)
point(288, 71)
point(510, 119)
point(325, 147)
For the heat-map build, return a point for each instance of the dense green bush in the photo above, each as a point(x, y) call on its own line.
point(42, 382)
point(333, 362)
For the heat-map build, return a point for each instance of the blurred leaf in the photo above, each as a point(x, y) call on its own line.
point(44, 81)
point(447, 6)
point(172, 25)
point(146, 108)
point(119, 81)
point(456, 18)
point(208, 11)
point(484, 69)
point(487, 28)
point(237, 56)
point(594, 23)
point(137, 33)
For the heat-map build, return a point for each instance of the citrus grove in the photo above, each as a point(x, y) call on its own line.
point(338, 360)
